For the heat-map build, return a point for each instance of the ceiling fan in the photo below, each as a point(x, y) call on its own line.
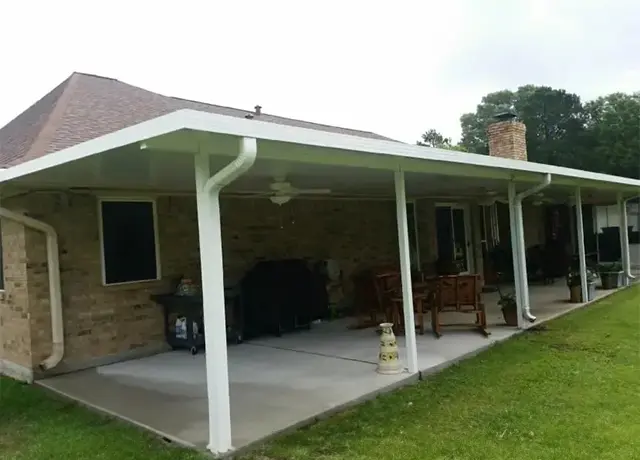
point(492, 197)
point(539, 199)
point(282, 191)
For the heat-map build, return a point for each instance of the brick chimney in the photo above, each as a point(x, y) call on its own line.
point(507, 137)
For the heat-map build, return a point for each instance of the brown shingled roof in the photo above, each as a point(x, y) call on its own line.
point(84, 107)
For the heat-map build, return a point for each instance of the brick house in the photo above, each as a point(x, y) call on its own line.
point(105, 321)
point(96, 158)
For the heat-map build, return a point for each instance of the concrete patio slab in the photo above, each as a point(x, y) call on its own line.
point(280, 383)
point(271, 390)
point(335, 339)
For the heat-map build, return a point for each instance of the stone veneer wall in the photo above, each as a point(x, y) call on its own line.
point(121, 320)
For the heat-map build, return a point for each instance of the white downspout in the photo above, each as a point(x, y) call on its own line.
point(582, 258)
point(624, 239)
point(522, 260)
point(244, 161)
point(55, 290)
point(210, 237)
point(515, 251)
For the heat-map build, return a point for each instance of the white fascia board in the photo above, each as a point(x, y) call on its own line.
point(222, 124)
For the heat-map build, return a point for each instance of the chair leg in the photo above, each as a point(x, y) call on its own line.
point(435, 322)
point(419, 315)
point(482, 323)
point(420, 319)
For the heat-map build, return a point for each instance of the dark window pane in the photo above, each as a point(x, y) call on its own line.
point(128, 241)
point(459, 238)
point(444, 232)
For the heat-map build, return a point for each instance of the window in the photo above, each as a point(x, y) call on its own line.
point(129, 241)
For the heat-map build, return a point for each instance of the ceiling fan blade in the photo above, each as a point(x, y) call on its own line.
point(254, 192)
point(312, 191)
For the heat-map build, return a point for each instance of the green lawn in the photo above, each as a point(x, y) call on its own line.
point(35, 426)
point(568, 391)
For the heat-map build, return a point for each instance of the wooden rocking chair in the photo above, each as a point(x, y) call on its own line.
point(458, 294)
point(389, 290)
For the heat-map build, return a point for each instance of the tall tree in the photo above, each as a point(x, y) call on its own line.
point(432, 138)
point(602, 135)
point(474, 125)
point(554, 120)
point(613, 134)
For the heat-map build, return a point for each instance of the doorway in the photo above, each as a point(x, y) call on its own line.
point(453, 234)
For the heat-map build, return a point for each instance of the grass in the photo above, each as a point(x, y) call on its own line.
point(36, 426)
point(568, 391)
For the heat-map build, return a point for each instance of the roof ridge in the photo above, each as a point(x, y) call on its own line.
point(95, 75)
point(267, 114)
point(48, 127)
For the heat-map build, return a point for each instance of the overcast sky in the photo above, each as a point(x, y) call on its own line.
point(396, 68)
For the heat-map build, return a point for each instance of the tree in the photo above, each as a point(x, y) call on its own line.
point(613, 134)
point(601, 135)
point(433, 138)
point(474, 125)
point(554, 120)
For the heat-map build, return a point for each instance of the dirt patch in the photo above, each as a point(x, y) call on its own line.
point(538, 329)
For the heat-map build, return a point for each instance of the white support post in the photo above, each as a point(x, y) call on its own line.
point(210, 236)
point(572, 227)
point(584, 285)
point(515, 252)
point(405, 272)
point(624, 240)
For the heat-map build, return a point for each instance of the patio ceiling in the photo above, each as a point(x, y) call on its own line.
point(130, 169)
point(163, 163)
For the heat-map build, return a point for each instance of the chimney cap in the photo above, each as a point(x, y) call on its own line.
point(508, 114)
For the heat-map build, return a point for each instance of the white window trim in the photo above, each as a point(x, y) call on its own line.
point(127, 199)
point(468, 230)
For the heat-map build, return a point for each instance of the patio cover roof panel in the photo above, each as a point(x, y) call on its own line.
point(118, 155)
point(130, 169)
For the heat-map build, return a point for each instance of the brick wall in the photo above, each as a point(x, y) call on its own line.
point(15, 331)
point(114, 320)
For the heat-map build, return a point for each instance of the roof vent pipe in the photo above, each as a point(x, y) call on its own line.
point(258, 110)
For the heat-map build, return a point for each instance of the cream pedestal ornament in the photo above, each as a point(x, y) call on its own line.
point(388, 358)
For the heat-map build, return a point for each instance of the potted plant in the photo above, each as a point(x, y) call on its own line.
point(611, 275)
point(574, 282)
point(509, 308)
